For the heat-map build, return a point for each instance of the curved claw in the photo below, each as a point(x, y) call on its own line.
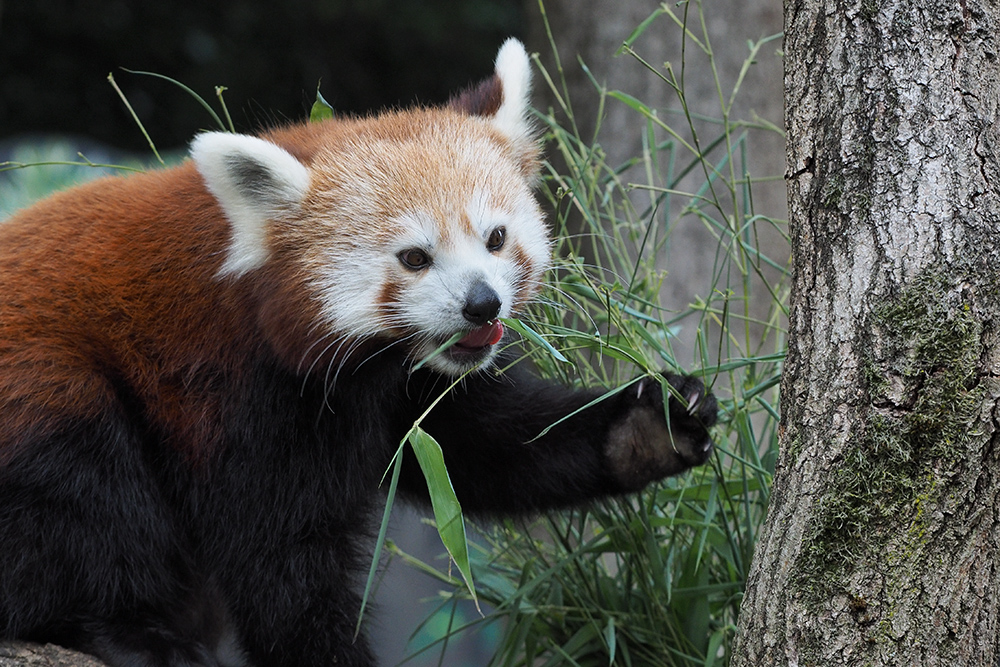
point(693, 401)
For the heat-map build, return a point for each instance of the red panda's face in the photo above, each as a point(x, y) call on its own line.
point(408, 230)
point(421, 238)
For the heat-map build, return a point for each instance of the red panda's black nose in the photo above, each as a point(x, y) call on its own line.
point(482, 304)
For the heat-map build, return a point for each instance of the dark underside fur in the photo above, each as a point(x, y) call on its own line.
point(115, 543)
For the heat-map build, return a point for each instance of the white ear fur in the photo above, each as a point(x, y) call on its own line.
point(514, 71)
point(254, 181)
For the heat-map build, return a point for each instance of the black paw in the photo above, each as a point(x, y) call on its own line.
point(692, 411)
point(647, 443)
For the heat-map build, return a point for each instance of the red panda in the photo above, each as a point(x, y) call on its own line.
point(205, 371)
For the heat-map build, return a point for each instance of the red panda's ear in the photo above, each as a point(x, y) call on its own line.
point(504, 98)
point(513, 71)
point(254, 181)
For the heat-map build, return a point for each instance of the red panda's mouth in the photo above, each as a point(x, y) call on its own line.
point(485, 336)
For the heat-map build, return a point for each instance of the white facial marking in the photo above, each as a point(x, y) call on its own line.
point(417, 229)
point(434, 301)
point(378, 207)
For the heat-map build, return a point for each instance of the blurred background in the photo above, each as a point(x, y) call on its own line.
point(55, 56)
point(364, 55)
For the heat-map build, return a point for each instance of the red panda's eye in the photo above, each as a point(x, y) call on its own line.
point(414, 258)
point(496, 239)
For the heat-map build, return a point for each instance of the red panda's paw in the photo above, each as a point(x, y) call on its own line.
point(647, 443)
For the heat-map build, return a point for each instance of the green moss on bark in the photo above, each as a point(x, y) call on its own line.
point(924, 397)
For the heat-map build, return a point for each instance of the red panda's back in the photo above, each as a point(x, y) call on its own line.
point(112, 278)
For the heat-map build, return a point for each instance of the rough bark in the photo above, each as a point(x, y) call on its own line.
point(881, 543)
point(24, 654)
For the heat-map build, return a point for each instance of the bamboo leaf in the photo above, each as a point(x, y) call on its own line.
point(380, 541)
point(321, 109)
point(447, 510)
point(630, 40)
point(440, 348)
point(610, 638)
point(532, 335)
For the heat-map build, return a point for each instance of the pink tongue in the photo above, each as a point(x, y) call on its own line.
point(488, 334)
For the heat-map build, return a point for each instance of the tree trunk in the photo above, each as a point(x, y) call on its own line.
point(881, 541)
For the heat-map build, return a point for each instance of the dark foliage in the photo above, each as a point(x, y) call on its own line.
point(55, 56)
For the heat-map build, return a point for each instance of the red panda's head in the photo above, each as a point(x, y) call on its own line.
point(406, 229)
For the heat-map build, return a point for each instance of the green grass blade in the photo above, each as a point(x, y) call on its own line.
point(196, 96)
point(441, 348)
point(380, 540)
point(532, 335)
point(135, 117)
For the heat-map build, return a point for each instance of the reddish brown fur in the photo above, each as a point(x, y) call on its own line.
point(350, 141)
point(117, 274)
point(136, 319)
point(122, 273)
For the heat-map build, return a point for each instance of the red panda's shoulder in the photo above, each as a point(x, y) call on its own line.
point(131, 207)
point(105, 279)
